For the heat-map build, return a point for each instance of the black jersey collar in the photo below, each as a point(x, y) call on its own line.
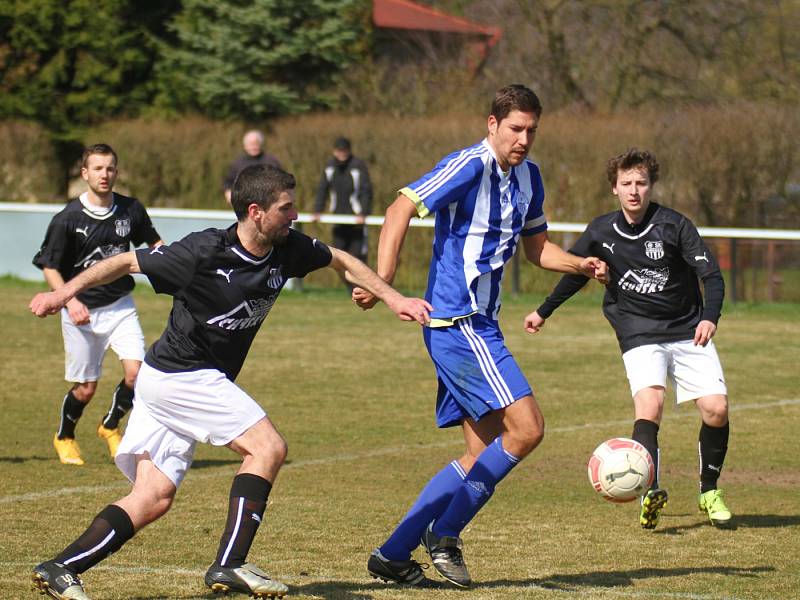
point(237, 248)
point(635, 230)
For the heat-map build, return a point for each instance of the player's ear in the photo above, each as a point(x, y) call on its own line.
point(491, 124)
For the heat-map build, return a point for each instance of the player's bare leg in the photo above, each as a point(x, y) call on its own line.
point(648, 408)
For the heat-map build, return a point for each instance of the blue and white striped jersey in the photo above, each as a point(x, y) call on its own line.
point(480, 214)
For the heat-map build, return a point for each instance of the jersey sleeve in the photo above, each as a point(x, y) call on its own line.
point(535, 221)
point(144, 233)
point(54, 247)
point(170, 267)
point(307, 255)
point(447, 183)
point(699, 257)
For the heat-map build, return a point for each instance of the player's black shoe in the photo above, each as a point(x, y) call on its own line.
point(446, 556)
point(404, 572)
point(58, 582)
point(248, 579)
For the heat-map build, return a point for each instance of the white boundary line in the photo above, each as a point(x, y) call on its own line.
point(338, 458)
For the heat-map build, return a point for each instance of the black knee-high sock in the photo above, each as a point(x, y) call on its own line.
point(248, 500)
point(646, 433)
point(121, 403)
point(712, 447)
point(71, 411)
point(111, 528)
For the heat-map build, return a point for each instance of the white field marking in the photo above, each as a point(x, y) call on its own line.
point(124, 485)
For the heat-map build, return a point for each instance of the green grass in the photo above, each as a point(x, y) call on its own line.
point(353, 394)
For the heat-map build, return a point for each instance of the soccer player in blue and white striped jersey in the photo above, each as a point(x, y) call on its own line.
point(485, 198)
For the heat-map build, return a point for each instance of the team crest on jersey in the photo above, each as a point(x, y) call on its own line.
point(654, 250)
point(276, 278)
point(123, 227)
point(522, 203)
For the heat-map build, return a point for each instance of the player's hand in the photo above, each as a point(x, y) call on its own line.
point(363, 299)
point(78, 313)
point(533, 322)
point(595, 268)
point(45, 303)
point(411, 309)
point(704, 332)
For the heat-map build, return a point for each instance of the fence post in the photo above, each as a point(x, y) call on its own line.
point(733, 270)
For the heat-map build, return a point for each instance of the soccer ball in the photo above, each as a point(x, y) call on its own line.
point(621, 470)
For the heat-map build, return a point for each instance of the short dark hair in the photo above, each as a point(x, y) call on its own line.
point(630, 159)
point(515, 97)
point(342, 143)
point(259, 184)
point(98, 149)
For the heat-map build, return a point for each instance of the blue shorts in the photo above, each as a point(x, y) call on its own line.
point(476, 372)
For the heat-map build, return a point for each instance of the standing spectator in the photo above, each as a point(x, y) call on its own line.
point(345, 183)
point(224, 282)
point(253, 146)
point(98, 224)
point(664, 324)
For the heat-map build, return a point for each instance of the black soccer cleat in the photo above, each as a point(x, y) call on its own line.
point(652, 503)
point(446, 556)
point(248, 579)
point(403, 572)
point(58, 582)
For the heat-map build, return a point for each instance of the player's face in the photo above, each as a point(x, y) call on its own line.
point(512, 138)
point(274, 223)
point(633, 190)
point(100, 173)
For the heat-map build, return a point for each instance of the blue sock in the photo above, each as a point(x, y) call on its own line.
point(433, 499)
point(492, 465)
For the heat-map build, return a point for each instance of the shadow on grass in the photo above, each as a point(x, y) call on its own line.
point(609, 579)
point(22, 459)
point(743, 521)
point(351, 590)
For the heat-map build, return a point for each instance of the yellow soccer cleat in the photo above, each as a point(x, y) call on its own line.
point(718, 513)
point(112, 437)
point(68, 450)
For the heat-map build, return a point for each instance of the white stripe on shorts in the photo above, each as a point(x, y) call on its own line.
point(488, 368)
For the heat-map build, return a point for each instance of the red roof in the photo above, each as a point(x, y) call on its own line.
point(404, 14)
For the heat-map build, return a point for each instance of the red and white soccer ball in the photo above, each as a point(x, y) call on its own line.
point(621, 470)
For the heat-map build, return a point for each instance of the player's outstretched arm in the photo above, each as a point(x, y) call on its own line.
point(393, 234)
point(545, 254)
point(359, 274)
point(105, 271)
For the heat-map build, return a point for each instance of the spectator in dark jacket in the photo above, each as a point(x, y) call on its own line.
point(253, 146)
point(346, 185)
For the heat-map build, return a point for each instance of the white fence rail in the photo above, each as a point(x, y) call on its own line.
point(22, 228)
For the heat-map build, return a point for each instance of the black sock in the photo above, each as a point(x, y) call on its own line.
point(111, 528)
point(248, 500)
point(121, 403)
point(646, 433)
point(71, 411)
point(712, 448)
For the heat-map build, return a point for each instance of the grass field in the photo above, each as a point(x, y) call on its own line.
point(353, 394)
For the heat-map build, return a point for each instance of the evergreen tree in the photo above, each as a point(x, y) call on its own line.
point(254, 58)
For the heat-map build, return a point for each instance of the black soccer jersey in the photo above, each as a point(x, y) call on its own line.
point(221, 295)
point(653, 295)
point(77, 238)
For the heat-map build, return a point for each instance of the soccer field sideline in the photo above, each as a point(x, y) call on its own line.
point(122, 484)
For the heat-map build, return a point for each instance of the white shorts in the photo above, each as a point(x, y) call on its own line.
point(694, 371)
point(173, 411)
point(115, 325)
